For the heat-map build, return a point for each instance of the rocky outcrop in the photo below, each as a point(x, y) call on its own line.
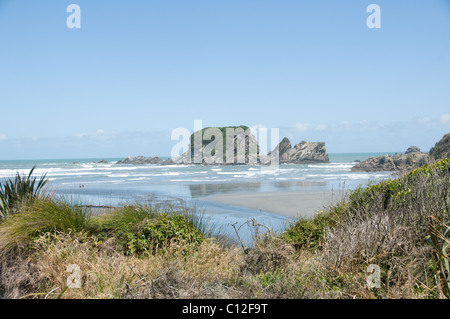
point(441, 149)
point(284, 146)
point(212, 147)
point(394, 163)
point(141, 160)
point(103, 161)
point(302, 153)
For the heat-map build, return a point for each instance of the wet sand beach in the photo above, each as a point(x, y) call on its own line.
point(291, 204)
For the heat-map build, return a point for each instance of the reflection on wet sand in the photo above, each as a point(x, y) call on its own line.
point(202, 190)
point(295, 185)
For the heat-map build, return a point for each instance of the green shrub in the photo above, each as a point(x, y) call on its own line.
point(309, 233)
point(128, 218)
point(165, 230)
point(154, 224)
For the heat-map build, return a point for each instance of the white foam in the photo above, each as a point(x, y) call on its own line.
point(122, 168)
point(232, 173)
point(137, 179)
point(118, 175)
point(333, 166)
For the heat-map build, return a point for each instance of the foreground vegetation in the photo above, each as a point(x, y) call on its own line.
point(167, 251)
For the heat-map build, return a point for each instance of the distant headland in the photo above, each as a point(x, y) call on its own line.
point(412, 159)
point(245, 150)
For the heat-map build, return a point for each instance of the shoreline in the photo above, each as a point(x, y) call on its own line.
point(292, 204)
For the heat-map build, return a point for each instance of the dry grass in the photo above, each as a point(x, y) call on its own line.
point(106, 273)
point(210, 270)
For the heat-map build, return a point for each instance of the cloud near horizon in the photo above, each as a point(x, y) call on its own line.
point(445, 118)
point(98, 144)
point(425, 122)
point(343, 137)
point(372, 136)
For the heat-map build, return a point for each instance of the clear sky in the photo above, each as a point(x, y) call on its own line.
point(138, 69)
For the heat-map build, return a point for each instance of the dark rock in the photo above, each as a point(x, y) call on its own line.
point(213, 151)
point(389, 163)
point(412, 149)
point(284, 146)
point(302, 153)
point(141, 160)
point(168, 162)
point(103, 161)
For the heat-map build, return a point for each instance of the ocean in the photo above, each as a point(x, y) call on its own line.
point(92, 183)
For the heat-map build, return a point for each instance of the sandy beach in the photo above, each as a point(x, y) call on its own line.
point(292, 204)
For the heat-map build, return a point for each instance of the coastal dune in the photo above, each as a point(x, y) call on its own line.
point(293, 204)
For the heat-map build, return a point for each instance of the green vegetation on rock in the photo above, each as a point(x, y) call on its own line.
point(223, 130)
point(441, 149)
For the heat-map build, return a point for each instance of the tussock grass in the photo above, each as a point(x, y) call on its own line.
point(126, 218)
point(132, 216)
point(39, 217)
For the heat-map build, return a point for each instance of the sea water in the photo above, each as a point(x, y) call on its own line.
point(93, 183)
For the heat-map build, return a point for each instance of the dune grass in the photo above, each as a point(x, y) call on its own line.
point(39, 217)
point(386, 224)
point(165, 250)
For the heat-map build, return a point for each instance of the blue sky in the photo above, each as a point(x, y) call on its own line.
point(136, 70)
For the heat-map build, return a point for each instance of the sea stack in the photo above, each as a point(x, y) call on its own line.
point(302, 153)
